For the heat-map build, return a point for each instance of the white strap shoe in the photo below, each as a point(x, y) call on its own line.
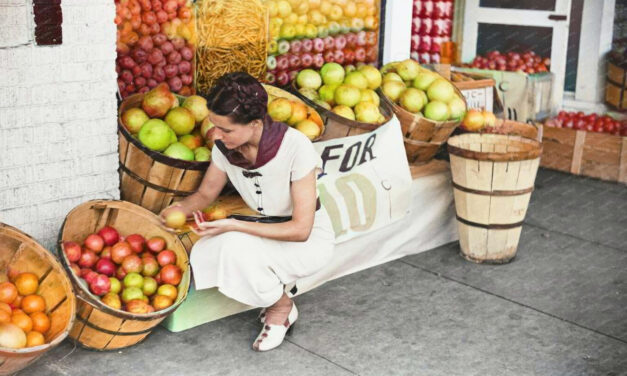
point(271, 336)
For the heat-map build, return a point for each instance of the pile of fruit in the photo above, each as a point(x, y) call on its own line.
point(23, 318)
point(590, 123)
point(432, 25)
point(310, 33)
point(296, 114)
point(129, 273)
point(476, 120)
point(319, 18)
point(527, 62)
point(347, 49)
point(421, 91)
point(179, 132)
point(350, 94)
point(155, 43)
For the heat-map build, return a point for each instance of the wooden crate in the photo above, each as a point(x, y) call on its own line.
point(525, 97)
point(22, 253)
point(616, 86)
point(98, 326)
point(597, 155)
point(479, 91)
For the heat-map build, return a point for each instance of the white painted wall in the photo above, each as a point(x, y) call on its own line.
point(58, 137)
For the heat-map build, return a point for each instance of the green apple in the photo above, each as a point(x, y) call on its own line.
point(133, 119)
point(441, 90)
point(412, 100)
point(133, 280)
point(373, 76)
point(309, 78)
point(347, 95)
point(192, 141)
point(408, 69)
point(344, 111)
point(179, 151)
point(457, 108)
point(131, 293)
point(367, 112)
point(436, 110)
point(392, 77)
point(181, 120)
point(424, 79)
point(197, 105)
point(327, 92)
point(368, 95)
point(116, 286)
point(202, 154)
point(150, 286)
point(332, 73)
point(322, 104)
point(356, 79)
point(393, 89)
point(155, 134)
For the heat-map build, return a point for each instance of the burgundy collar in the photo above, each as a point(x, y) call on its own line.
point(271, 138)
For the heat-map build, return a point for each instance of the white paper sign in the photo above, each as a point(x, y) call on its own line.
point(366, 180)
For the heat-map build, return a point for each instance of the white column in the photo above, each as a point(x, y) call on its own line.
point(594, 44)
point(397, 39)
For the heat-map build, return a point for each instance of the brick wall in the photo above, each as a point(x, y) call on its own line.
point(58, 138)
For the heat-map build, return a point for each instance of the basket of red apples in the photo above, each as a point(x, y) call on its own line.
point(129, 273)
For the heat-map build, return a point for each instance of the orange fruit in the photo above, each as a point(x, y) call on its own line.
point(41, 322)
point(22, 321)
point(34, 339)
point(5, 307)
point(8, 292)
point(33, 303)
point(5, 317)
point(17, 311)
point(17, 303)
point(26, 283)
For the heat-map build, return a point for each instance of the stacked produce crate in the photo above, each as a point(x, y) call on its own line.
point(432, 25)
point(310, 33)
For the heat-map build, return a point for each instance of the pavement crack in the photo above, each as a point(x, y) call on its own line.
point(573, 236)
point(513, 301)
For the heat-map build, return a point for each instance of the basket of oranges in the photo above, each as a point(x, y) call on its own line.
point(37, 303)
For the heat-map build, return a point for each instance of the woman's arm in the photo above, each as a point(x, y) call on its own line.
point(209, 189)
point(303, 193)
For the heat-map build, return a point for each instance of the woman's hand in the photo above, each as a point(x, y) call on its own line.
point(212, 228)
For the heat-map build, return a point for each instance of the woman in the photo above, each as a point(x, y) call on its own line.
point(273, 167)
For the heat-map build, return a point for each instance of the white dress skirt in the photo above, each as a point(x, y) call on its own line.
point(251, 269)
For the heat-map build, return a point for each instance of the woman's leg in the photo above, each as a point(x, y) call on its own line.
point(277, 313)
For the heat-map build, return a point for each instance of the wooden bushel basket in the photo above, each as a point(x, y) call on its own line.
point(493, 177)
point(149, 178)
point(338, 126)
point(419, 152)
point(20, 252)
point(98, 326)
point(280, 93)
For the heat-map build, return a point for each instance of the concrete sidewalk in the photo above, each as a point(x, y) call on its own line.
point(560, 308)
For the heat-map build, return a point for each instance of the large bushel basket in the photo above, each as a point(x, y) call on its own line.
point(422, 137)
point(338, 126)
point(98, 326)
point(493, 177)
point(149, 178)
point(19, 252)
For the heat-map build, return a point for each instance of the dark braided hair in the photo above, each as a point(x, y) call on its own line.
point(239, 96)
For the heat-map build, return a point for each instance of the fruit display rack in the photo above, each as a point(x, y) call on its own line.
point(307, 34)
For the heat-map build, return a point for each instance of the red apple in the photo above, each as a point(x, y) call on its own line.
point(360, 54)
point(296, 46)
point(76, 269)
point(119, 251)
point(109, 235)
point(132, 264)
point(282, 78)
point(106, 267)
point(282, 62)
point(88, 259)
point(307, 45)
point(156, 244)
point(94, 242)
point(89, 276)
point(100, 285)
point(72, 251)
point(340, 42)
point(318, 60)
point(150, 267)
point(294, 61)
point(120, 273)
point(339, 56)
point(171, 274)
point(106, 252)
point(136, 242)
point(306, 59)
point(328, 43)
point(329, 57)
point(318, 45)
point(166, 257)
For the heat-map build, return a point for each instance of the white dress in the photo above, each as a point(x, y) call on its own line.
point(251, 269)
